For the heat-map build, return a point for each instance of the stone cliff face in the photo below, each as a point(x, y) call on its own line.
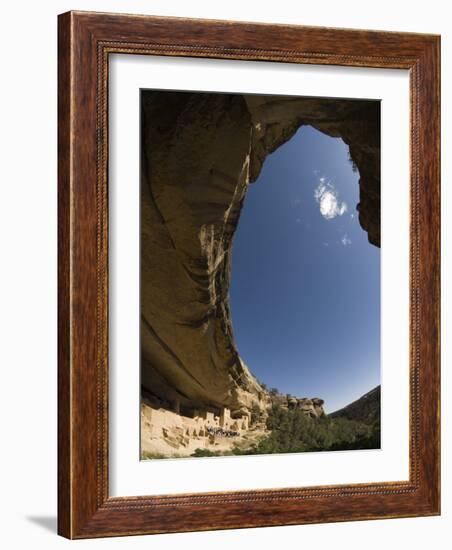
point(199, 154)
point(311, 407)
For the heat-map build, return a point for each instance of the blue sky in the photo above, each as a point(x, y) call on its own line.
point(305, 287)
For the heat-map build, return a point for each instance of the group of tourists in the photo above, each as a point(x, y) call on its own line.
point(220, 432)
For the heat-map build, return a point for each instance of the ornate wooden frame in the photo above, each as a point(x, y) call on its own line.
point(85, 508)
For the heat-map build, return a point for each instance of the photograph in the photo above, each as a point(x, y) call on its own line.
point(260, 304)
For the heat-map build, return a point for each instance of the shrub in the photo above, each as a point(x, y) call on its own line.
point(205, 452)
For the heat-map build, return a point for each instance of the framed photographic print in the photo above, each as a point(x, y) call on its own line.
point(248, 275)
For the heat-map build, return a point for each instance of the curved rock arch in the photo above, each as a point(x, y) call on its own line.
point(200, 151)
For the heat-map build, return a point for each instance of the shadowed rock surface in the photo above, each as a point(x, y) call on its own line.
point(200, 151)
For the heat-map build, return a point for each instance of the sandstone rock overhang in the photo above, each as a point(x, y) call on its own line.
point(200, 152)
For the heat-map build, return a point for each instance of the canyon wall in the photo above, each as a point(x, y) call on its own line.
point(200, 151)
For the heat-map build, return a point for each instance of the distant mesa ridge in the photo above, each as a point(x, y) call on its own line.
point(366, 409)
